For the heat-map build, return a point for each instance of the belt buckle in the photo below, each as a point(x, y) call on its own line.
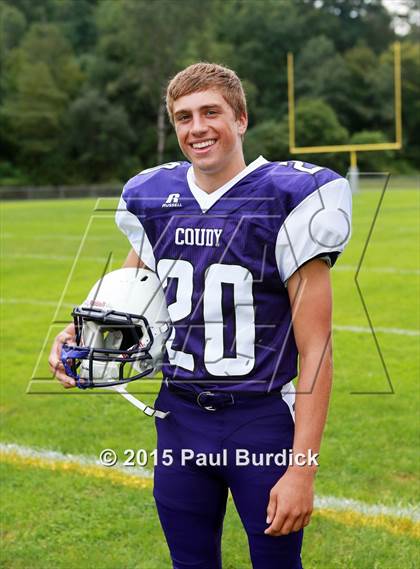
point(206, 407)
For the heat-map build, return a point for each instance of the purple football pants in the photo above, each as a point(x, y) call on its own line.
point(191, 498)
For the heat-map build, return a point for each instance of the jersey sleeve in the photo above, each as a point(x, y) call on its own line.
point(317, 227)
point(141, 197)
point(131, 225)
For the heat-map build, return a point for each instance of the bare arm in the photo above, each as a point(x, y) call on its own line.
point(291, 499)
point(68, 335)
point(311, 301)
point(133, 260)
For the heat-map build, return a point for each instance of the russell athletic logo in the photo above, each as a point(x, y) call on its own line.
point(172, 201)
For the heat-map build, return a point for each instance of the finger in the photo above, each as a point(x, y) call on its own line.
point(271, 508)
point(277, 523)
point(65, 380)
point(55, 364)
point(56, 348)
point(58, 370)
point(298, 525)
point(59, 373)
point(285, 525)
point(307, 520)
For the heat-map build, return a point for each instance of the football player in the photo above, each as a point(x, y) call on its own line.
point(243, 253)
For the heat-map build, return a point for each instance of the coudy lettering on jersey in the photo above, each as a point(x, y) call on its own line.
point(201, 237)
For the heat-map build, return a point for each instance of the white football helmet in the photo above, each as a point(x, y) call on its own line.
point(121, 330)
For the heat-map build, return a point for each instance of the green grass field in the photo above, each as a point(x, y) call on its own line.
point(68, 518)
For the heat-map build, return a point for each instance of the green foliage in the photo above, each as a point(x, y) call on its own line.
point(45, 43)
point(373, 161)
point(10, 175)
point(268, 138)
point(76, 19)
point(317, 124)
point(34, 114)
point(347, 21)
point(98, 137)
point(321, 72)
point(59, 56)
point(12, 27)
point(41, 78)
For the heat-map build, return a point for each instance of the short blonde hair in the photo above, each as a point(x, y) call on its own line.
point(202, 76)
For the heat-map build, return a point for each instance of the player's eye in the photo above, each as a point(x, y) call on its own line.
point(182, 118)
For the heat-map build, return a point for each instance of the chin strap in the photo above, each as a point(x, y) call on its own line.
point(69, 353)
point(149, 411)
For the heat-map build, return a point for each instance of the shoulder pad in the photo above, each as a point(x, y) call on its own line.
point(303, 173)
point(170, 169)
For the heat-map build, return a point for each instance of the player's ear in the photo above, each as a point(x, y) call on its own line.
point(242, 123)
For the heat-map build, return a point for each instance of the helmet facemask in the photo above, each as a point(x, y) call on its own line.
point(121, 330)
point(112, 348)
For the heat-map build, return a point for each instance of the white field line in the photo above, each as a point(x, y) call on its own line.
point(325, 502)
point(367, 330)
point(34, 302)
point(394, 270)
point(39, 257)
point(346, 504)
point(59, 457)
point(48, 237)
point(354, 329)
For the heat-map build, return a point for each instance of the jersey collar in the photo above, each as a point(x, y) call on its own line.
point(205, 200)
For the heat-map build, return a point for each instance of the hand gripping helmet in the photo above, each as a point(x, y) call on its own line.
point(121, 330)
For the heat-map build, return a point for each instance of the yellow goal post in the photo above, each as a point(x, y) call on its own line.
point(351, 148)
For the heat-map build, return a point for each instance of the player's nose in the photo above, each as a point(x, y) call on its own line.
point(198, 126)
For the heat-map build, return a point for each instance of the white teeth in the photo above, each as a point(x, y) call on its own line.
point(203, 144)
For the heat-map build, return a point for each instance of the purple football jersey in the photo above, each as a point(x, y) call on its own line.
point(224, 259)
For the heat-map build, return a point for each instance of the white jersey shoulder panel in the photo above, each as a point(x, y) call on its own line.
point(321, 223)
point(132, 227)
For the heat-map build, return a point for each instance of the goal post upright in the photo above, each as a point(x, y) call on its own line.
point(353, 172)
point(351, 148)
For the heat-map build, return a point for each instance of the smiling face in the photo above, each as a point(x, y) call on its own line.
point(209, 135)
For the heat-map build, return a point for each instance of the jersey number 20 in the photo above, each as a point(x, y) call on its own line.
point(242, 312)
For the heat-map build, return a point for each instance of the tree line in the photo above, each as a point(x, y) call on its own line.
point(82, 82)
